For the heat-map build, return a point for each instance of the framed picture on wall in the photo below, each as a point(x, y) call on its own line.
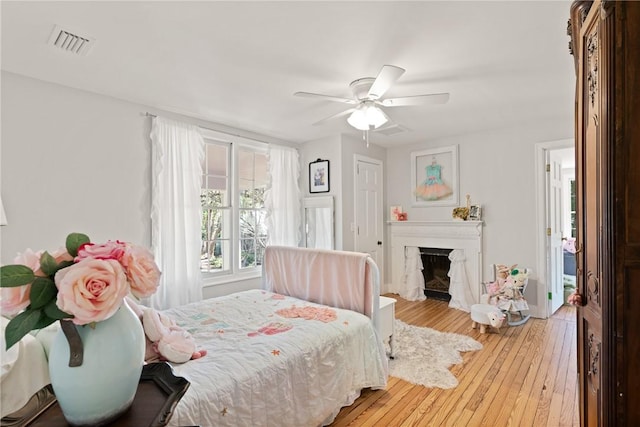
point(319, 176)
point(434, 177)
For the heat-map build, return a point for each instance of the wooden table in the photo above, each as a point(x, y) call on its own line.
point(158, 393)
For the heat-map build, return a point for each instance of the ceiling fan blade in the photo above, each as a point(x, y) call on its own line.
point(326, 97)
point(335, 116)
point(433, 98)
point(386, 77)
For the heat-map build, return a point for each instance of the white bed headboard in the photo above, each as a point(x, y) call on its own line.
point(342, 279)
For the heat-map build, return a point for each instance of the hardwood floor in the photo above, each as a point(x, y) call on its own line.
point(524, 376)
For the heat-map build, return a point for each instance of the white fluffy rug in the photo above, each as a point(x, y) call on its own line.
point(423, 355)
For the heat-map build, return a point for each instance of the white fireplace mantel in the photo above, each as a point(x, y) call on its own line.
point(464, 235)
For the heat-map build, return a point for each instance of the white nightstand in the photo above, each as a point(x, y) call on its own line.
point(387, 315)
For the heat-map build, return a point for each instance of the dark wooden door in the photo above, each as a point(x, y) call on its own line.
point(591, 174)
point(589, 273)
point(606, 45)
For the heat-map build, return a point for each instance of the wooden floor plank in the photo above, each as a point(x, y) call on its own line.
point(524, 375)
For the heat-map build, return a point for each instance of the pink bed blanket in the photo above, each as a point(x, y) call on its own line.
point(336, 278)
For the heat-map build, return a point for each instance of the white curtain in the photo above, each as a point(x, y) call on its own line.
point(282, 198)
point(177, 156)
point(413, 289)
point(461, 296)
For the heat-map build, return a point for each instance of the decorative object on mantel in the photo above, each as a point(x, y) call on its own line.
point(394, 212)
point(434, 175)
point(475, 213)
point(462, 213)
point(402, 216)
point(97, 355)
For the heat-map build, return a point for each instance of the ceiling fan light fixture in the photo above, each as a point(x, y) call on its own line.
point(367, 116)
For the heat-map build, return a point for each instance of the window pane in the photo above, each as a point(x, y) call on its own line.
point(216, 224)
point(216, 159)
point(214, 256)
point(216, 172)
point(210, 199)
point(252, 178)
point(247, 224)
point(247, 253)
point(261, 224)
point(253, 198)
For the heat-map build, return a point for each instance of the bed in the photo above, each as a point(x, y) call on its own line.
point(290, 354)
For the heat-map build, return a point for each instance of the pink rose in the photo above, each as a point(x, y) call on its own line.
point(29, 258)
point(109, 250)
point(15, 299)
point(91, 290)
point(142, 271)
point(60, 255)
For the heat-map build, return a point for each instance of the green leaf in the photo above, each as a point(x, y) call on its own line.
point(52, 311)
point(20, 326)
point(44, 322)
point(74, 241)
point(48, 264)
point(15, 275)
point(63, 264)
point(43, 290)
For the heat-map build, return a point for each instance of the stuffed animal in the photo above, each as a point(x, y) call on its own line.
point(165, 340)
point(487, 315)
point(503, 271)
point(168, 340)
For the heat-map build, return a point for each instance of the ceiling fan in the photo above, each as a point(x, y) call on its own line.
point(367, 112)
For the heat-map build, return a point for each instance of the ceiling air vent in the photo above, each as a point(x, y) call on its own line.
point(392, 130)
point(71, 41)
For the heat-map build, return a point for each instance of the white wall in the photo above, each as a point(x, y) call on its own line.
point(340, 151)
point(76, 161)
point(325, 149)
point(71, 161)
point(497, 169)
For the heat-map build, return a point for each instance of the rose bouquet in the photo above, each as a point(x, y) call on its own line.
point(83, 283)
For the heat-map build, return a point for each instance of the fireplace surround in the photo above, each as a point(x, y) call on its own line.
point(463, 235)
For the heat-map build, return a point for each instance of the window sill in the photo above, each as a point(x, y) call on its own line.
point(226, 279)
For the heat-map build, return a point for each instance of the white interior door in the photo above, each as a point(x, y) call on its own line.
point(368, 209)
point(554, 231)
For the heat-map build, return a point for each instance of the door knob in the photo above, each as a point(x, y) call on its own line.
point(379, 243)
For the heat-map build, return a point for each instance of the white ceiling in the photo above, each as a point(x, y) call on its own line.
point(505, 64)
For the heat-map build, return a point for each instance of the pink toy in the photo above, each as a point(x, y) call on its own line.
point(165, 340)
point(168, 340)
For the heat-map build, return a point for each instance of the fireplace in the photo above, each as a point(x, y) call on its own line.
point(435, 269)
point(448, 235)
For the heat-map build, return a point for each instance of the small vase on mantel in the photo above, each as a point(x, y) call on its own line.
point(104, 385)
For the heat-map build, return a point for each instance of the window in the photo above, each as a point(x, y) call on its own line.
point(235, 178)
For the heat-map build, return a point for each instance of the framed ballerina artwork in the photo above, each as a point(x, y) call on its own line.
point(434, 177)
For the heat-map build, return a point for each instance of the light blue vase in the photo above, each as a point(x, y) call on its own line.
point(103, 387)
